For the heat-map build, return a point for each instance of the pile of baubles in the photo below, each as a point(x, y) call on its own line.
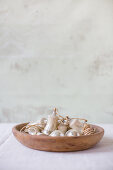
point(57, 125)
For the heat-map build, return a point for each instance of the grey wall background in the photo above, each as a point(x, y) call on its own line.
point(56, 53)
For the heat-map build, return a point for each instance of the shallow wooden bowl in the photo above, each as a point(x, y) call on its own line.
point(57, 144)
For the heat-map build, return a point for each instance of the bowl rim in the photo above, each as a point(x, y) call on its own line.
point(14, 129)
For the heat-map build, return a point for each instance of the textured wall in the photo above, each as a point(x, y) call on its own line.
point(57, 53)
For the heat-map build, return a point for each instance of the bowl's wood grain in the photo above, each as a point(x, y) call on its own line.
point(57, 144)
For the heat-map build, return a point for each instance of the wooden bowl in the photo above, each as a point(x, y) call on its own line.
point(58, 144)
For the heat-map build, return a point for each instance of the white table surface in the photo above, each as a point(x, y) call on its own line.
point(15, 156)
